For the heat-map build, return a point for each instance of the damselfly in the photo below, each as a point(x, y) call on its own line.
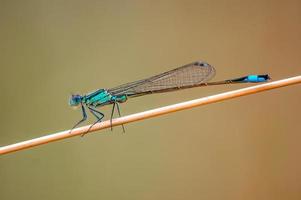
point(195, 74)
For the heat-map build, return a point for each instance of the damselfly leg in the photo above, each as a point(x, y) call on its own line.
point(83, 119)
point(118, 109)
point(112, 114)
point(98, 116)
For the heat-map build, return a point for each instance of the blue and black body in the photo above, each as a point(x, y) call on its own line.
point(195, 74)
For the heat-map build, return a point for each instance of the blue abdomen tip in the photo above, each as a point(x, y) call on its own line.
point(257, 78)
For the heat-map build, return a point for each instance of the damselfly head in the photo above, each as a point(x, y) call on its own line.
point(75, 100)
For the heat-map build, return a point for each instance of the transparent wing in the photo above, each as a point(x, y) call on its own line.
point(181, 77)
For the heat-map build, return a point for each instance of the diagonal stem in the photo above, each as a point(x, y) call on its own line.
point(151, 113)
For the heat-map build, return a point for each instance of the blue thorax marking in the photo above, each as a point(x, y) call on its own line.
point(102, 97)
point(120, 98)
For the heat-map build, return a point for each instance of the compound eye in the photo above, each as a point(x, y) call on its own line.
point(75, 100)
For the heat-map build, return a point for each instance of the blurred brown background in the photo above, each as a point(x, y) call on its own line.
point(245, 148)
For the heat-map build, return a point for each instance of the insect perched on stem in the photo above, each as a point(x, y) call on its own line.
point(195, 74)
